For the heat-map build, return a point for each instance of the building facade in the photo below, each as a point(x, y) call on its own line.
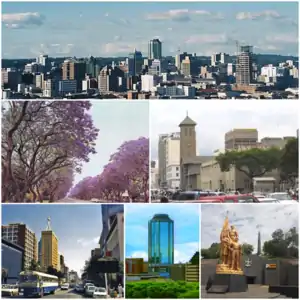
point(155, 49)
point(12, 261)
point(22, 236)
point(161, 240)
point(49, 250)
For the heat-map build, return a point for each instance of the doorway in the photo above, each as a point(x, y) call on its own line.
point(251, 279)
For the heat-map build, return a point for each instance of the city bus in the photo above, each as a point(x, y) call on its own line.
point(32, 283)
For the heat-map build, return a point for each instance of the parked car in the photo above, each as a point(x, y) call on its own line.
point(65, 286)
point(230, 199)
point(89, 290)
point(79, 288)
point(9, 290)
point(282, 197)
point(100, 292)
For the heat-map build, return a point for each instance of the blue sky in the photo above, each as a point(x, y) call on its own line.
point(118, 121)
point(116, 28)
point(186, 229)
point(248, 220)
point(78, 227)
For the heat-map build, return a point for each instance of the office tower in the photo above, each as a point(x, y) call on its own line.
point(111, 79)
point(49, 256)
point(21, 235)
point(186, 66)
point(135, 63)
point(244, 66)
point(241, 137)
point(74, 70)
point(160, 241)
point(155, 49)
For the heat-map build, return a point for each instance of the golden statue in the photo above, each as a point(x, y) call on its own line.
point(230, 251)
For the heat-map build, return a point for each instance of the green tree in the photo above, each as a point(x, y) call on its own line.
point(282, 244)
point(289, 162)
point(212, 252)
point(253, 162)
point(195, 259)
point(247, 249)
point(34, 266)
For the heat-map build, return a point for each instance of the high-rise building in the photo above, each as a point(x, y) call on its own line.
point(22, 236)
point(74, 70)
point(244, 66)
point(241, 137)
point(219, 58)
point(49, 248)
point(186, 66)
point(111, 79)
point(135, 63)
point(169, 160)
point(155, 49)
point(160, 241)
point(187, 146)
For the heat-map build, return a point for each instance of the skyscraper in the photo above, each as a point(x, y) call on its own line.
point(49, 255)
point(22, 236)
point(155, 49)
point(161, 240)
point(135, 63)
point(244, 66)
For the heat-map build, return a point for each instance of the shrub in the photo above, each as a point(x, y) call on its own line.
point(162, 289)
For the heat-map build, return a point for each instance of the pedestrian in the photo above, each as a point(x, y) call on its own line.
point(120, 290)
point(164, 199)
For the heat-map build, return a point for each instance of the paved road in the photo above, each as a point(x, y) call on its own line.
point(59, 294)
point(254, 291)
point(72, 200)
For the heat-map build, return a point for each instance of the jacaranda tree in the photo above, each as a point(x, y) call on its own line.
point(39, 140)
point(127, 171)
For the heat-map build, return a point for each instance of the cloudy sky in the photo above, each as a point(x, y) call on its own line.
point(77, 235)
point(248, 220)
point(186, 229)
point(214, 119)
point(112, 29)
point(118, 121)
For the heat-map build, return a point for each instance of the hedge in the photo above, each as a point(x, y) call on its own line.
point(162, 289)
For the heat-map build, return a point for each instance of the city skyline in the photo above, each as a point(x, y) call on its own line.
point(213, 121)
point(30, 29)
point(128, 121)
point(186, 229)
point(248, 220)
point(76, 239)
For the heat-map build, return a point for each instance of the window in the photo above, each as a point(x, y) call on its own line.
point(185, 131)
point(177, 174)
point(177, 168)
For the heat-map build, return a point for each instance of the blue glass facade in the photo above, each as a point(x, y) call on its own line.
point(161, 240)
point(12, 260)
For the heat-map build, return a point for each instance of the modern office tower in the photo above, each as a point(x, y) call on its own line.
point(111, 79)
point(186, 66)
point(160, 241)
point(219, 58)
point(244, 66)
point(241, 137)
point(74, 70)
point(169, 160)
point(135, 63)
point(22, 236)
point(155, 49)
point(49, 256)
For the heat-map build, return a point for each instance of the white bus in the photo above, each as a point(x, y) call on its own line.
point(32, 283)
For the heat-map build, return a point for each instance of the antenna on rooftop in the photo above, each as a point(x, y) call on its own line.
point(48, 224)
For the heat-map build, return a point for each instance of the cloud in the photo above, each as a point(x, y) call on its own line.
point(220, 38)
point(273, 119)
point(282, 38)
point(248, 219)
point(23, 20)
point(263, 15)
point(181, 15)
point(84, 242)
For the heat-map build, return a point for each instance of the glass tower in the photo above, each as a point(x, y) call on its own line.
point(161, 240)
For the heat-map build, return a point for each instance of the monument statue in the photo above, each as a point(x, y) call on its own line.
point(230, 251)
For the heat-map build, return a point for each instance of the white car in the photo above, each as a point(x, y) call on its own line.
point(65, 286)
point(282, 197)
point(100, 292)
point(89, 290)
point(268, 200)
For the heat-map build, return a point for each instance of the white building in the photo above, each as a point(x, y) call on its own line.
point(149, 82)
point(269, 71)
point(115, 238)
point(169, 160)
point(154, 178)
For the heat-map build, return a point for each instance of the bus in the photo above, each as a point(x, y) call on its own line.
point(32, 283)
